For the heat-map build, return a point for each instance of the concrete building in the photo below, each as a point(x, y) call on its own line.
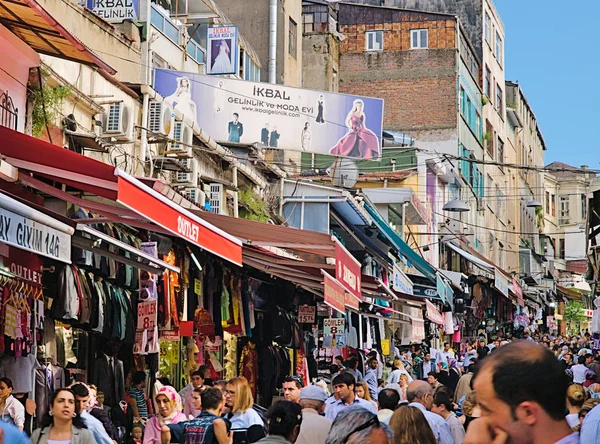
point(320, 46)
point(566, 191)
point(253, 19)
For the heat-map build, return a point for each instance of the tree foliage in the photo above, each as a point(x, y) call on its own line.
point(574, 315)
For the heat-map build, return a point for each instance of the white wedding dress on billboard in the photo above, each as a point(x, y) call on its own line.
point(222, 63)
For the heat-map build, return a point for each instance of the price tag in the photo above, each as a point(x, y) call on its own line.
point(146, 315)
point(198, 286)
point(306, 314)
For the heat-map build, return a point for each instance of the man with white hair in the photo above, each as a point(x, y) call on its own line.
point(356, 425)
point(314, 427)
point(420, 395)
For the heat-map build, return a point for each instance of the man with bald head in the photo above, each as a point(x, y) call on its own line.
point(521, 390)
point(420, 395)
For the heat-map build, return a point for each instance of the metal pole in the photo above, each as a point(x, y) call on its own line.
point(273, 41)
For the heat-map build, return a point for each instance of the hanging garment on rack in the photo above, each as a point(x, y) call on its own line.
point(19, 370)
point(66, 303)
point(249, 366)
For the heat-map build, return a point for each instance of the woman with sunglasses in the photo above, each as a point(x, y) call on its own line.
point(283, 423)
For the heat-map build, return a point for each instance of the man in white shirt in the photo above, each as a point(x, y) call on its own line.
point(447, 354)
point(579, 371)
point(443, 407)
point(419, 394)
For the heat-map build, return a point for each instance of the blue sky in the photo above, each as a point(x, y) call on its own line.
point(551, 50)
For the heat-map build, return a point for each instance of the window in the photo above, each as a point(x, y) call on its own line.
point(547, 202)
point(315, 21)
point(374, 40)
point(564, 210)
point(489, 138)
point(486, 27)
point(478, 126)
point(465, 165)
point(583, 206)
point(461, 99)
point(498, 52)
point(562, 248)
point(499, 100)
point(293, 33)
point(500, 151)
point(195, 51)
point(486, 82)
point(469, 112)
point(553, 201)
point(419, 38)
point(164, 25)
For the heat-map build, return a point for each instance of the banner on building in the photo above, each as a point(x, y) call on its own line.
point(222, 50)
point(418, 330)
point(518, 292)
point(333, 293)
point(401, 282)
point(433, 314)
point(501, 282)
point(115, 11)
point(347, 270)
point(276, 116)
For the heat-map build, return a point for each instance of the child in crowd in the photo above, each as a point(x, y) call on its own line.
point(137, 434)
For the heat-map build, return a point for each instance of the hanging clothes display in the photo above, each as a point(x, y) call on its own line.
point(248, 367)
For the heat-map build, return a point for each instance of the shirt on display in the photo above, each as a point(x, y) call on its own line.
point(19, 370)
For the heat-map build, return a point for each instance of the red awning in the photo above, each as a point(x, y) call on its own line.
point(29, 21)
point(84, 173)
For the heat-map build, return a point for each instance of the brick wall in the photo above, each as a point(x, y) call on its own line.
point(418, 85)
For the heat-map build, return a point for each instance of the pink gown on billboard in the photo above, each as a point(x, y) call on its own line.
point(360, 142)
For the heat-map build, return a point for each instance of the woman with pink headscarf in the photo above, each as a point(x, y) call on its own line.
point(168, 411)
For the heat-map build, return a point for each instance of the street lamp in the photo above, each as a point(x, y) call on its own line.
point(533, 204)
point(457, 206)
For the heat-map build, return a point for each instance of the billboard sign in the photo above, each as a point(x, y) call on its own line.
point(333, 293)
point(277, 116)
point(222, 50)
point(115, 11)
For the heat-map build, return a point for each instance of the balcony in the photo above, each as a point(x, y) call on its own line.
point(564, 221)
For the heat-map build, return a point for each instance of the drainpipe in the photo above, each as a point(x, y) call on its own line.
point(143, 134)
point(273, 41)
point(236, 212)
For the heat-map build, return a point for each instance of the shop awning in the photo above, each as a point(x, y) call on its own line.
point(29, 21)
point(24, 227)
point(411, 255)
point(152, 264)
point(472, 258)
point(84, 173)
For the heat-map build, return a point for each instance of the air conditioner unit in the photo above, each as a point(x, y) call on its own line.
point(196, 195)
point(217, 198)
point(183, 137)
point(161, 119)
point(117, 122)
point(187, 179)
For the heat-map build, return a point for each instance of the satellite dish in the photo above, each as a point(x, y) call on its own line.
point(344, 173)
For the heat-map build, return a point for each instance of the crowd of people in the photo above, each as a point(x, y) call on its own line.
point(532, 390)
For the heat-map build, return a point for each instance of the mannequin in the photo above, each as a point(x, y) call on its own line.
point(109, 379)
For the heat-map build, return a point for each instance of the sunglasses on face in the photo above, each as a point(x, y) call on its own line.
point(374, 421)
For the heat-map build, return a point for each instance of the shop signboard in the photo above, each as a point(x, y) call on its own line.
point(518, 292)
point(347, 270)
point(34, 236)
point(334, 326)
point(333, 293)
point(222, 50)
point(425, 291)
point(171, 335)
point(418, 330)
point(433, 314)
point(115, 11)
point(501, 282)
point(24, 264)
point(350, 301)
point(146, 315)
point(401, 282)
point(306, 314)
point(385, 347)
point(277, 116)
